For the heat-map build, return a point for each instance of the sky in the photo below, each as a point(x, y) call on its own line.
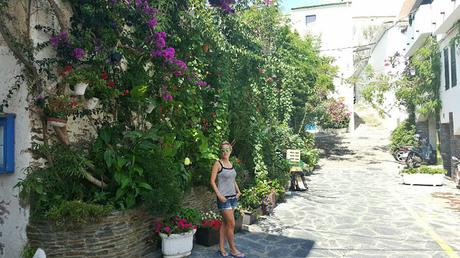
point(365, 7)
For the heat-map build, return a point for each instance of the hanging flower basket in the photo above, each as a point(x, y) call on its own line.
point(177, 245)
point(80, 88)
point(92, 103)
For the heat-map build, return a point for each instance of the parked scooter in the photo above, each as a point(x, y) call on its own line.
point(400, 154)
point(423, 154)
point(456, 171)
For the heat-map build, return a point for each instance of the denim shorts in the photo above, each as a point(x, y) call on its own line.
point(231, 203)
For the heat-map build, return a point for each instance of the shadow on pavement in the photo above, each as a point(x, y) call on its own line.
point(332, 146)
point(261, 245)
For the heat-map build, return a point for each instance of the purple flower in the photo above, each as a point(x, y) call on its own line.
point(54, 40)
point(138, 3)
point(78, 53)
point(63, 36)
point(160, 41)
point(168, 97)
point(168, 53)
point(181, 65)
point(152, 23)
point(156, 53)
point(149, 10)
point(201, 83)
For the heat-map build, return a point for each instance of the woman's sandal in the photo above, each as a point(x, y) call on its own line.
point(221, 254)
point(238, 255)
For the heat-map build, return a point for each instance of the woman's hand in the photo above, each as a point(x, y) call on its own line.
point(238, 195)
point(221, 198)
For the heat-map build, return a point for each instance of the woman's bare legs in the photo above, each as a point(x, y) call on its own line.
point(223, 232)
point(229, 221)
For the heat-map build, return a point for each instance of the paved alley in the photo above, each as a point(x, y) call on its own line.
point(357, 206)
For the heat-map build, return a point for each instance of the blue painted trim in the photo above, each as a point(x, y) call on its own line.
point(8, 122)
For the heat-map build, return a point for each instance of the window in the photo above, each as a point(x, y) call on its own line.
point(7, 143)
point(310, 19)
point(453, 66)
point(446, 68)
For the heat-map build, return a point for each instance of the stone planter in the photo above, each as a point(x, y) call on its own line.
point(269, 203)
point(80, 88)
point(423, 179)
point(250, 217)
point(58, 122)
point(177, 245)
point(121, 234)
point(207, 236)
point(239, 223)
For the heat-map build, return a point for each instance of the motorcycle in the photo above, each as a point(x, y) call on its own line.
point(456, 171)
point(422, 154)
point(400, 154)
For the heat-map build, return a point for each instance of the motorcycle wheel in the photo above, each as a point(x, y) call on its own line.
point(400, 156)
point(413, 160)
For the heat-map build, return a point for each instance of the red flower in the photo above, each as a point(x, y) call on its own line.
point(68, 68)
point(104, 76)
point(111, 84)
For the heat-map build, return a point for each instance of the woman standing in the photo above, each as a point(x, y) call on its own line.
point(227, 193)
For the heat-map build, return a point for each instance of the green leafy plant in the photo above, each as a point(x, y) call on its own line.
point(74, 214)
point(403, 134)
point(424, 170)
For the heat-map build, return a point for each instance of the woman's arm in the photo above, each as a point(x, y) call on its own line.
point(214, 172)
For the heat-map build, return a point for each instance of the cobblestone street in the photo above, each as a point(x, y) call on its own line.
point(357, 206)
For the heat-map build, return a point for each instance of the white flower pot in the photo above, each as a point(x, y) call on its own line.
point(150, 108)
point(58, 122)
point(92, 103)
point(423, 179)
point(177, 245)
point(80, 88)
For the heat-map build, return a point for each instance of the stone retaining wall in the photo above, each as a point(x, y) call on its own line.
point(122, 234)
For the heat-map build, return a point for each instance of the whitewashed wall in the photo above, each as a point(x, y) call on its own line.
point(450, 98)
point(13, 216)
point(334, 27)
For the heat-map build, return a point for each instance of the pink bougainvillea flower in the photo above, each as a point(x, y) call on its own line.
point(78, 53)
point(152, 23)
point(54, 41)
point(168, 54)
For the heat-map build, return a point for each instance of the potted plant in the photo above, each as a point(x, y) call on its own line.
point(424, 175)
point(238, 219)
point(208, 233)
point(79, 79)
point(250, 203)
point(176, 236)
point(57, 108)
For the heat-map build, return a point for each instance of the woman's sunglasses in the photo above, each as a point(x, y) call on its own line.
point(226, 149)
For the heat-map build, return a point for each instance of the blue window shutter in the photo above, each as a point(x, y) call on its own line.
point(10, 119)
point(7, 122)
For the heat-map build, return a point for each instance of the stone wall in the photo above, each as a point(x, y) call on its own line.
point(122, 234)
point(200, 198)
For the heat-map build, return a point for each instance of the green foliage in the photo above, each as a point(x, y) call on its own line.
point(417, 88)
point(191, 215)
point(248, 79)
point(403, 134)
point(28, 251)
point(74, 214)
point(424, 170)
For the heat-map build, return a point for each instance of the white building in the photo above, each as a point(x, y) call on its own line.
point(348, 30)
point(336, 38)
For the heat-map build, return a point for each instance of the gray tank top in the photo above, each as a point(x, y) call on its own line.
point(226, 181)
